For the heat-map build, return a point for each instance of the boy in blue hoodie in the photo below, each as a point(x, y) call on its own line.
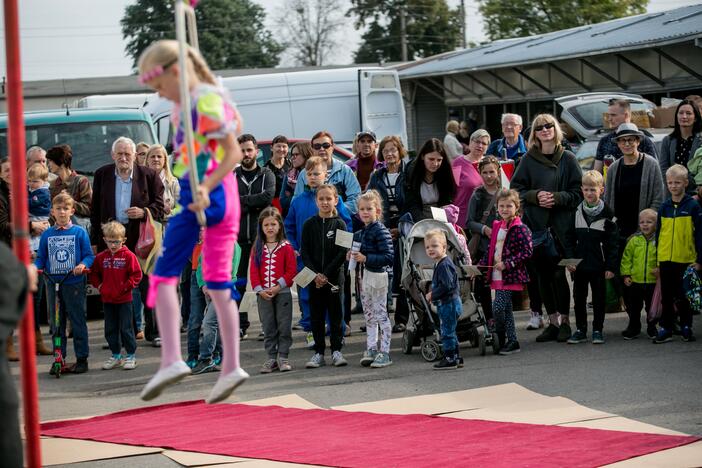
point(65, 248)
point(302, 208)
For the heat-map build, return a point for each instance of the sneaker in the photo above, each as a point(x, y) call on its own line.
point(578, 337)
point(347, 329)
point(663, 336)
point(269, 366)
point(549, 334)
point(651, 331)
point(217, 360)
point(80, 367)
point(446, 363)
point(317, 360)
point(112, 362)
point(399, 328)
point(284, 365)
point(310, 340)
point(459, 362)
point(381, 360)
point(630, 334)
point(163, 378)
point(298, 327)
point(564, 333)
point(191, 363)
point(156, 343)
point(597, 337)
point(510, 348)
point(368, 357)
point(260, 336)
point(226, 384)
point(686, 334)
point(203, 366)
point(243, 335)
point(535, 322)
point(338, 359)
point(130, 362)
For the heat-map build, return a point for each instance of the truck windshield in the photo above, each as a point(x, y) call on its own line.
point(91, 142)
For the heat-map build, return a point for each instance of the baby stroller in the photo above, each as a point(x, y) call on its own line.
point(417, 271)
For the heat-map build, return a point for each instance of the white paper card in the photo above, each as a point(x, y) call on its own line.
point(248, 303)
point(570, 262)
point(344, 239)
point(305, 277)
point(439, 214)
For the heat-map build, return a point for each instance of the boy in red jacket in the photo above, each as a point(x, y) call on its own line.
point(116, 272)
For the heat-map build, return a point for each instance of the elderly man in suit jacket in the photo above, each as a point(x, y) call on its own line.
point(121, 192)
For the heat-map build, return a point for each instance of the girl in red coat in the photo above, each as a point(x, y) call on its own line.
point(271, 270)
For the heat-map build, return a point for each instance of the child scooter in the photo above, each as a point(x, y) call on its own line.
point(59, 365)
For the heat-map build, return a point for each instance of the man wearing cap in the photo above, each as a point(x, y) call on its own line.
point(365, 161)
point(619, 112)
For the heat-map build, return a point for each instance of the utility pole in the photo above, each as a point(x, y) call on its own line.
point(463, 24)
point(403, 32)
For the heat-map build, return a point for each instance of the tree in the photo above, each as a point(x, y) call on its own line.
point(431, 27)
point(230, 32)
point(309, 29)
point(519, 18)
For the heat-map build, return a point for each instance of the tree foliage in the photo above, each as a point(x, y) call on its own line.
point(231, 33)
point(431, 28)
point(310, 29)
point(519, 18)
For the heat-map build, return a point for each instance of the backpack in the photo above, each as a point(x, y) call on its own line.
point(692, 285)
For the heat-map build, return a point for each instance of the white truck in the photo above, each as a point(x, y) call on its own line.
point(298, 104)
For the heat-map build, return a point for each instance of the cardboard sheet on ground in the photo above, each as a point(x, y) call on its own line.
point(687, 456)
point(291, 400)
point(56, 451)
point(450, 402)
point(619, 423)
point(200, 459)
point(549, 410)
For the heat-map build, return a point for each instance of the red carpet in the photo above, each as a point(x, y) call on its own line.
point(338, 438)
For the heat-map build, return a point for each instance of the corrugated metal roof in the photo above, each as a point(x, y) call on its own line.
point(648, 30)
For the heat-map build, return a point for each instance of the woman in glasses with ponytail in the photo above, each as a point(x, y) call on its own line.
point(339, 175)
point(548, 180)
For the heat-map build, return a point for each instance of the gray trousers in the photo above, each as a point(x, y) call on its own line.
point(276, 321)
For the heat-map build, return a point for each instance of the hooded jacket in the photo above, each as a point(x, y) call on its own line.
point(560, 175)
point(516, 250)
point(319, 251)
point(596, 241)
point(116, 275)
point(640, 259)
point(679, 231)
point(304, 207)
point(342, 177)
point(376, 245)
point(254, 197)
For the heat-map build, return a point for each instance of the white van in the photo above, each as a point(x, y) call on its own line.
point(343, 101)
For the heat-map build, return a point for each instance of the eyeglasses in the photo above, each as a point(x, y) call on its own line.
point(547, 126)
point(627, 141)
point(319, 146)
point(113, 242)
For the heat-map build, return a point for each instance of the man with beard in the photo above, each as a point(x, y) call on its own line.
point(256, 192)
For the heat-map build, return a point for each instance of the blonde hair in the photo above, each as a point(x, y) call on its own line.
point(677, 170)
point(142, 144)
point(63, 198)
point(315, 161)
point(114, 229)
point(170, 178)
point(164, 53)
point(38, 171)
point(373, 197)
point(333, 190)
point(508, 194)
point(542, 119)
point(452, 126)
point(593, 179)
point(435, 234)
point(649, 212)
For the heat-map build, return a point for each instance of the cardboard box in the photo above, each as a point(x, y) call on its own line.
point(663, 117)
point(640, 118)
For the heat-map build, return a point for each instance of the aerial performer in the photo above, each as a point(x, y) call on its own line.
point(215, 127)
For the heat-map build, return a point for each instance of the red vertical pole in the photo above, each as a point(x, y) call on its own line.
point(16, 144)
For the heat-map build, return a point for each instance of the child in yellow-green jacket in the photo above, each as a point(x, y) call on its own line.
point(639, 269)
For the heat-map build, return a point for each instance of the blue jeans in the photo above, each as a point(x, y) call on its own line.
point(449, 311)
point(211, 339)
point(137, 310)
point(303, 299)
point(72, 305)
point(118, 328)
point(197, 312)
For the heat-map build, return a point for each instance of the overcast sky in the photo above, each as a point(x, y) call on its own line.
point(83, 38)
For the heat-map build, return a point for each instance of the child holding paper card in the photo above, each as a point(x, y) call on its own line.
point(271, 271)
point(376, 257)
point(321, 254)
point(597, 244)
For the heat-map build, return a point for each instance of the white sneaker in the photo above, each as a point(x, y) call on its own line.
point(317, 360)
point(226, 384)
point(338, 359)
point(535, 322)
point(112, 362)
point(309, 339)
point(163, 378)
point(130, 363)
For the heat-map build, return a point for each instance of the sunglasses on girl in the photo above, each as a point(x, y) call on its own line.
point(319, 146)
point(547, 126)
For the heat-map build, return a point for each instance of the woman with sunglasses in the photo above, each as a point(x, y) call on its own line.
point(339, 175)
point(548, 180)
